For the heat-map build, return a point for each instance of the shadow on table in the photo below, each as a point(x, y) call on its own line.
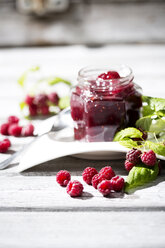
point(74, 165)
point(85, 196)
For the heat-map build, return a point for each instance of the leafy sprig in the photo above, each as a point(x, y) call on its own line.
point(152, 122)
point(153, 115)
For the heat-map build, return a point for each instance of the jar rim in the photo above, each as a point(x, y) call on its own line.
point(91, 72)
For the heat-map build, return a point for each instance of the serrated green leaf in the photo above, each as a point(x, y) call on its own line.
point(157, 126)
point(129, 143)
point(139, 175)
point(146, 110)
point(64, 102)
point(158, 148)
point(146, 99)
point(157, 104)
point(130, 132)
point(144, 123)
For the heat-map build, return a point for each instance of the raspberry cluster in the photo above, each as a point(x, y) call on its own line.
point(12, 127)
point(105, 181)
point(39, 104)
point(135, 156)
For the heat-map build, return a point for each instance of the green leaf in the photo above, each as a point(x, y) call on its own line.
point(158, 148)
point(129, 143)
point(23, 77)
point(157, 104)
point(130, 132)
point(139, 175)
point(56, 80)
point(22, 105)
point(64, 102)
point(157, 126)
point(144, 123)
point(160, 113)
point(147, 111)
point(146, 99)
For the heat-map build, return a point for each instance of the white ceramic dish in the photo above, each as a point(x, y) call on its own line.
point(52, 146)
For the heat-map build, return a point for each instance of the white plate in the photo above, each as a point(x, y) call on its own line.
point(52, 146)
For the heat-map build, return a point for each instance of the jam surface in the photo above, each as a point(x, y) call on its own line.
point(101, 108)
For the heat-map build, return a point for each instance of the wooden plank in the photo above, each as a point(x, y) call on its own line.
point(111, 229)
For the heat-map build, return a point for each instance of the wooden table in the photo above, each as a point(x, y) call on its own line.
point(34, 210)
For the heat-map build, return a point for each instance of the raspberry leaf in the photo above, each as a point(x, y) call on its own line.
point(154, 103)
point(158, 148)
point(157, 104)
point(129, 143)
point(147, 111)
point(157, 126)
point(126, 133)
point(144, 123)
point(139, 175)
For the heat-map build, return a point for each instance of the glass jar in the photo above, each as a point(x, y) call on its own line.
point(101, 106)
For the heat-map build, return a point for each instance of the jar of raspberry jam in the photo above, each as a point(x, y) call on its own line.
point(104, 101)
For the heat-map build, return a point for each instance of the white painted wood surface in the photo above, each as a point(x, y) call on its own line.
point(34, 210)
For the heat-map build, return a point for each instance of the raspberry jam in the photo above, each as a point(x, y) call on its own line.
point(104, 102)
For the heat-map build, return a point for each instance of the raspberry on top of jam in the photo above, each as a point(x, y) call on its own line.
point(109, 75)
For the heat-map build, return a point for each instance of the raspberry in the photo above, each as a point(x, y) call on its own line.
point(54, 98)
point(28, 130)
point(88, 173)
point(98, 178)
point(74, 188)
point(109, 75)
point(13, 119)
point(44, 110)
point(7, 141)
point(128, 165)
point(117, 183)
point(133, 156)
point(40, 99)
point(148, 158)
point(63, 177)
point(29, 100)
point(3, 147)
point(15, 130)
point(105, 187)
point(33, 110)
point(4, 129)
point(107, 172)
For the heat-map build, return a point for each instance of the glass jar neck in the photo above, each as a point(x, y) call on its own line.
point(89, 77)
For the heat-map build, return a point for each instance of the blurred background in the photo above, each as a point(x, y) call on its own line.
point(89, 22)
point(62, 36)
